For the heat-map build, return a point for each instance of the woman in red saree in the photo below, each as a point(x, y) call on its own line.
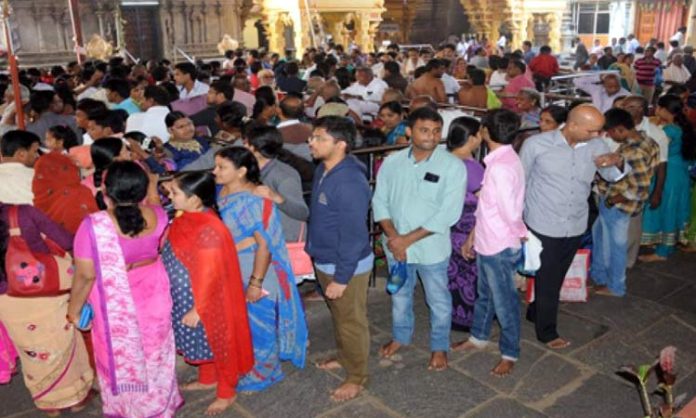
point(56, 186)
point(211, 326)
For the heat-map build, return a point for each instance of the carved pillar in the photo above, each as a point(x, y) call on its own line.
point(567, 29)
point(169, 25)
point(183, 14)
point(271, 21)
point(218, 15)
point(57, 17)
point(100, 21)
point(553, 21)
point(204, 20)
point(37, 14)
point(67, 31)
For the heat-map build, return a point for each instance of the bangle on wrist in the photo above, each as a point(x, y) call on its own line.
point(255, 282)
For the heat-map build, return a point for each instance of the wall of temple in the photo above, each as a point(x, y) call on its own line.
point(43, 27)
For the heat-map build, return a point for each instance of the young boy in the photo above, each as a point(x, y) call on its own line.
point(497, 240)
point(620, 201)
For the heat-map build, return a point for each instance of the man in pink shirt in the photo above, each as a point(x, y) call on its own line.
point(497, 239)
point(517, 80)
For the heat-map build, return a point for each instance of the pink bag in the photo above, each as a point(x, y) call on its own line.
point(8, 356)
point(300, 261)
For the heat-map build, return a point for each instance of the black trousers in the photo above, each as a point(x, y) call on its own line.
point(556, 257)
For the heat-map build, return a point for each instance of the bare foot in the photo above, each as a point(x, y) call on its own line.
point(558, 344)
point(194, 386)
point(219, 406)
point(328, 364)
point(346, 392)
point(691, 248)
point(503, 368)
point(438, 361)
point(651, 258)
point(465, 345)
point(389, 349)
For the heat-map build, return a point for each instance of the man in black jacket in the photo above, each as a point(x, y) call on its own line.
point(338, 241)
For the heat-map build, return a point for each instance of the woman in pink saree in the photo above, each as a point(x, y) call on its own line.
point(119, 268)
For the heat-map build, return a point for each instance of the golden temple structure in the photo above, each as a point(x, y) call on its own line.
point(300, 24)
point(303, 23)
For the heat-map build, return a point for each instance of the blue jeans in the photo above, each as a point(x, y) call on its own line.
point(497, 297)
point(609, 248)
point(439, 300)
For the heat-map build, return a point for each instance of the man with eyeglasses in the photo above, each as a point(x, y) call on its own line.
point(559, 168)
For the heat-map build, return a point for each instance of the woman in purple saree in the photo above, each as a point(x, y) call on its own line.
point(118, 266)
point(462, 141)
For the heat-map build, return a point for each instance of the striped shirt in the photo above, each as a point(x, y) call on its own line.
point(645, 71)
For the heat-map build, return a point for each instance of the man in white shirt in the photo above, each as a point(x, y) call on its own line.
point(412, 62)
point(660, 53)
point(502, 43)
point(597, 49)
point(452, 86)
point(155, 110)
point(462, 46)
point(603, 90)
point(18, 153)
point(365, 95)
point(633, 43)
point(680, 36)
point(676, 72)
point(185, 75)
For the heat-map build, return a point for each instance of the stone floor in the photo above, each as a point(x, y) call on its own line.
point(576, 382)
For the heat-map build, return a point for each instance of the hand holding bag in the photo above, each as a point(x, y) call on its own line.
point(398, 273)
point(33, 274)
point(300, 261)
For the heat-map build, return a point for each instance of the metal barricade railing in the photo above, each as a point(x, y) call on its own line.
point(562, 89)
point(374, 153)
point(178, 51)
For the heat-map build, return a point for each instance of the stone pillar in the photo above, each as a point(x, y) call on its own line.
point(553, 20)
point(568, 33)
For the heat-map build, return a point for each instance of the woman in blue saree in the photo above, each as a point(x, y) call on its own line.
point(276, 315)
point(665, 225)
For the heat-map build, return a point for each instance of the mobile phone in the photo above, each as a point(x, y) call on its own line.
point(147, 143)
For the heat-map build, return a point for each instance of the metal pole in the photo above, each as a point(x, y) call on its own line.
point(77, 28)
point(14, 70)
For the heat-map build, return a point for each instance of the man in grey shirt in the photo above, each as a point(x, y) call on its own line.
point(281, 182)
point(559, 168)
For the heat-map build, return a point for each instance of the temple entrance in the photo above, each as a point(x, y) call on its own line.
point(142, 33)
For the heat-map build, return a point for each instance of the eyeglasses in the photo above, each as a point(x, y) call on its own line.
point(318, 138)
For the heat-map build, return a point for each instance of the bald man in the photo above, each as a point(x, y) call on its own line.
point(422, 101)
point(295, 133)
point(604, 90)
point(559, 168)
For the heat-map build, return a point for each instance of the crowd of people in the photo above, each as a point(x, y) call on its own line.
point(188, 196)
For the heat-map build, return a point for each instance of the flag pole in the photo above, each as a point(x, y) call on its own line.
point(77, 28)
point(14, 70)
